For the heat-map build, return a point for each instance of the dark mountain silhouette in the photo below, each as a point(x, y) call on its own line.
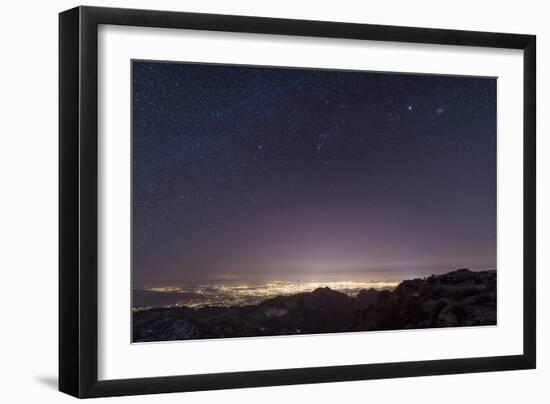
point(458, 298)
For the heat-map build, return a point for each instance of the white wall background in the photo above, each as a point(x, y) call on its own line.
point(28, 203)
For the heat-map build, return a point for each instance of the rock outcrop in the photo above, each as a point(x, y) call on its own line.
point(459, 298)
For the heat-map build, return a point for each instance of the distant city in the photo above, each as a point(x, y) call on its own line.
point(240, 295)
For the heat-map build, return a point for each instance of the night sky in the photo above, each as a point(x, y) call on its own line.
point(257, 173)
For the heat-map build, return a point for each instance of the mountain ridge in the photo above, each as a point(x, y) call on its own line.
point(458, 298)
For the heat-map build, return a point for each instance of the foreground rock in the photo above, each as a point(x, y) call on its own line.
point(459, 298)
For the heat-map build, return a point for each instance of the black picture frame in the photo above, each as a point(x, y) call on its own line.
point(78, 201)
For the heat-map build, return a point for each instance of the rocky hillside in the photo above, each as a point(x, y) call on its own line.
point(458, 298)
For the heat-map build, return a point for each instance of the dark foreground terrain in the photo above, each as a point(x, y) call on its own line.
point(458, 298)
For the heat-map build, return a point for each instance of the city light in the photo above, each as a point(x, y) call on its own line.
point(251, 294)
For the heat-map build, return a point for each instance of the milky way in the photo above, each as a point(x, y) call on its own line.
point(273, 173)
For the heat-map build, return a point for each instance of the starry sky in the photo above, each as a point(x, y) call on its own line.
point(251, 173)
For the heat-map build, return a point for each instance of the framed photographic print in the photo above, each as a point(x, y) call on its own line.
point(251, 201)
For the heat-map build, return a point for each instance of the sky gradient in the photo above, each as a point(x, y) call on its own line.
point(257, 173)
